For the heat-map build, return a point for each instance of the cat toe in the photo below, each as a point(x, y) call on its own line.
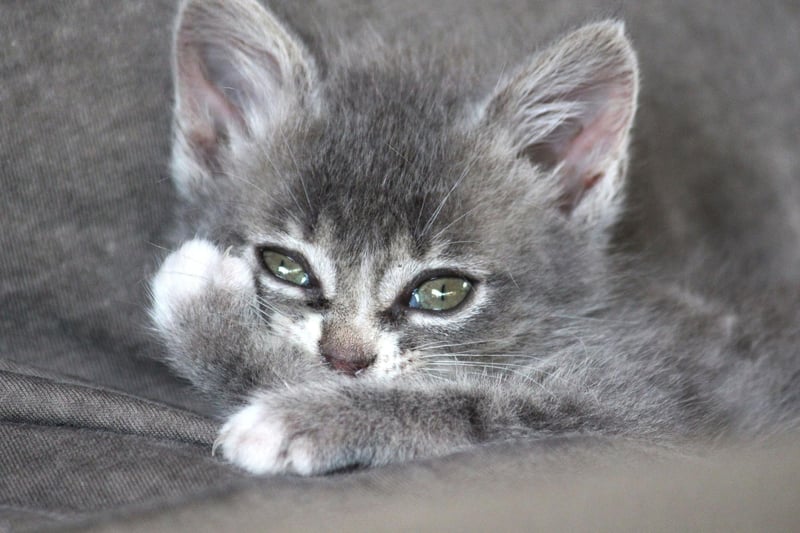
point(189, 272)
point(259, 442)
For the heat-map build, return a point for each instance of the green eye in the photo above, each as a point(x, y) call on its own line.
point(440, 294)
point(285, 268)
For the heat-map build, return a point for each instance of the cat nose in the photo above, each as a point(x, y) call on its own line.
point(349, 366)
point(347, 360)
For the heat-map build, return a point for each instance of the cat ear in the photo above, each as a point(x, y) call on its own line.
point(570, 112)
point(237, 70)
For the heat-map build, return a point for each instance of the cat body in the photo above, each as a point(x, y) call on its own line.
point(389, 255)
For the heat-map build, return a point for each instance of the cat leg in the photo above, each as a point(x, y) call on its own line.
point(204, 308)
point(319, 428)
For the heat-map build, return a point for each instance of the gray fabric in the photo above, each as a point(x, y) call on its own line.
point(92, 426)
point(743, 491)
point(84, 143)
point(69, 449)
point(84, 101)
point(69, 404)
point(64, 472)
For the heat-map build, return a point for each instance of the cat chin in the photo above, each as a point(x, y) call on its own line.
point(187, 274)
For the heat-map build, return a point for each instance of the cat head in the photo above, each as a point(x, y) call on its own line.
point(392, 211)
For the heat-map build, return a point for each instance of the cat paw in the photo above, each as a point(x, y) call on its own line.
point(189, 273)
point(258, 440)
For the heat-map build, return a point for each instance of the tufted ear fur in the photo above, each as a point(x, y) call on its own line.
point(236, 70)
point(570, 111)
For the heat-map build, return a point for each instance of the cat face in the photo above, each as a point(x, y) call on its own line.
point(391, 217)
point(377, 276)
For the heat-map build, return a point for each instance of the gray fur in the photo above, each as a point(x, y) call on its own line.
point(383, 155)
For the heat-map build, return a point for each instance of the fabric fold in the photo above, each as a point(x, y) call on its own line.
point(31, 399)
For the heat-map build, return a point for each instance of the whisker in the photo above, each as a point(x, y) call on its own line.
point(464, 242)
point(245, 181)
point(463, 215)
point(593, 319)
point(438, 344)
point(299, 172)
point(440, 378)
point(421, 209)
point(160, 247)
point(501, 366)
point(480, 356)
point(441, 205)
point(280, 176)
point(504, 368)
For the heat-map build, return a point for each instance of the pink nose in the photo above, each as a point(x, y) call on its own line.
point(351, 367)
point(345, 359)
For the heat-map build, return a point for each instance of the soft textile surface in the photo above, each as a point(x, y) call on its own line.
point(743, 491)
point(92, 426)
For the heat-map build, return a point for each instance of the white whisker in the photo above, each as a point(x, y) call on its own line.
point(441, 205)
point(299, 172)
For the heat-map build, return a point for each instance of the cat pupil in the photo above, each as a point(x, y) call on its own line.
point(443, 291)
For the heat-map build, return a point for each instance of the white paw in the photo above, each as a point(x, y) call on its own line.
point(189, 272)
point(258, 441)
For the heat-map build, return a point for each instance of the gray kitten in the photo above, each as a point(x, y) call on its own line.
point(393, 258)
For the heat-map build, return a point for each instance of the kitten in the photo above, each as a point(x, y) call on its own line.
point(389, 261)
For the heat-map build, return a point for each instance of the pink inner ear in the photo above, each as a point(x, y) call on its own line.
point(586, 156)
point(208, 111)
point(571, 198)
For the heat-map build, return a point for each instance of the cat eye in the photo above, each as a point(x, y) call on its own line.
point(285, 268)
point(440, 294)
